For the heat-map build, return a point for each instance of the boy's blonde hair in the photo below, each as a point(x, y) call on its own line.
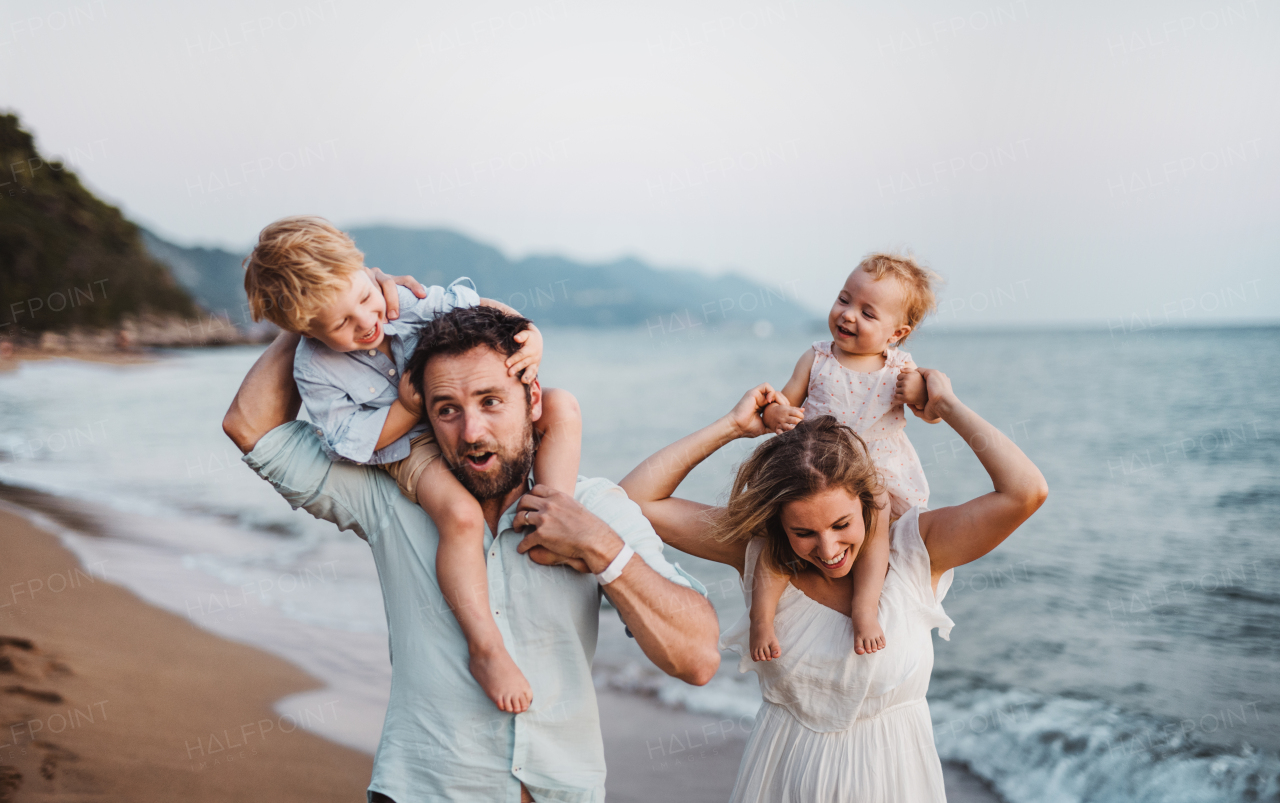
point(298, 266)
point(917, 284)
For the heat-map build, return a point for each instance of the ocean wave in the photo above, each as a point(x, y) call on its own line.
point(1037, 748)
point(729, 695)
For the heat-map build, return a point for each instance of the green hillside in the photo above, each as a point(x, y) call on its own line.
point(67, 259)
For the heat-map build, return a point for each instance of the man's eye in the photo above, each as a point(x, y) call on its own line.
point(491, 402)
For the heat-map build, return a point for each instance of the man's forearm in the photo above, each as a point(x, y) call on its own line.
point(268, 396)
point(675, 626)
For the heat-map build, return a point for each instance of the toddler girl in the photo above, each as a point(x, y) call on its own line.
point(855, 377)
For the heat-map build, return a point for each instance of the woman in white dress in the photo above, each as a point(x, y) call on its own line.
point(837, 726)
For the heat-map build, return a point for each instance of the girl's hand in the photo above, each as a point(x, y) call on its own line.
point(941, 396)
point(910, 389)
point(528, 357)
point(779, 418)
point(745, 415)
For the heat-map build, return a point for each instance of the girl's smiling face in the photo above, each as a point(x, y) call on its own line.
point(826, 529)
point(354, 320)
point(868, 314)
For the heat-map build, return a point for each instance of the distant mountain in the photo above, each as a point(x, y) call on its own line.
point(556, 290)
point(213, 276)
point(548, 289)
point(67, 259)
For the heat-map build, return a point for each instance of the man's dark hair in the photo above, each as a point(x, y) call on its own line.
point(459, 331)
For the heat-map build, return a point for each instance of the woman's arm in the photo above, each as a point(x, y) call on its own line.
point(958, 535)
point(680, 522)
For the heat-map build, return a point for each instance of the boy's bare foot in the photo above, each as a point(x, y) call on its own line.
point(764, 642)
point(501, 679)
point(867, 635)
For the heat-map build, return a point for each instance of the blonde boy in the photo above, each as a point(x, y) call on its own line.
point(306, 276)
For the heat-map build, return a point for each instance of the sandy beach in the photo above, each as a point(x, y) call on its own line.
point(105, 698)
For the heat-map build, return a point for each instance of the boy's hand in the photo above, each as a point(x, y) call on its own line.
point(779, 418)
point(409, 397)
point(528, 357)
point(911, 391)
point(388, 286)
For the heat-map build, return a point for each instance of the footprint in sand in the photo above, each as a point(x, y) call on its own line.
point(20, 659)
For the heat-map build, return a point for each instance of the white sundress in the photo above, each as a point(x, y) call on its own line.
point(836, 726)
point(864, 403)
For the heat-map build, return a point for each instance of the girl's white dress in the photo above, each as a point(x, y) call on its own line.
point(864, 403)
point(835, 725)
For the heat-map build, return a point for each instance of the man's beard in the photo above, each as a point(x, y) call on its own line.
point(513, 466)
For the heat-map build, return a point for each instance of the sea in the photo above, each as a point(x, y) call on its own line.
point(1122, 645)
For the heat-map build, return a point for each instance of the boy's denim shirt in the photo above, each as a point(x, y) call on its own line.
point(347, 395)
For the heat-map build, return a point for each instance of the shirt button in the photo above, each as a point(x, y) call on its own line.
point(372, 352)
point(371, 390)
point(392, 372)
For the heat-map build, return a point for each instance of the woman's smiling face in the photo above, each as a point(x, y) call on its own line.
point(826, 530)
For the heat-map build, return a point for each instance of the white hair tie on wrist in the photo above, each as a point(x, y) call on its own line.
point(615, 568)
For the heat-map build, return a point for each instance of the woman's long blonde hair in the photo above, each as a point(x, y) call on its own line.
point(820, 453)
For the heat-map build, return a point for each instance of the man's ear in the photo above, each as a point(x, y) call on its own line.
point(535, 400)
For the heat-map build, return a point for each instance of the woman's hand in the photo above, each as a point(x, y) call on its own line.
point(941, 396)
point(388, 286)
point(745, 415)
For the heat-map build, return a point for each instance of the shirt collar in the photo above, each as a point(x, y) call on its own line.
point(506, 519)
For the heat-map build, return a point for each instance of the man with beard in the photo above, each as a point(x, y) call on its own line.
point(549, 558)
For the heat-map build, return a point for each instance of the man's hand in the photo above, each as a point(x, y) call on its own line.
point(388, 286)
point(528, 357)
point(410, 399)
point(564, 532)
point(779, 418)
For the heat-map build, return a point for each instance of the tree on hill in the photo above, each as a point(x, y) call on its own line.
point(67, 259)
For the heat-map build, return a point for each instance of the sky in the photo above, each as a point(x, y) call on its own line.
point(1077, 163)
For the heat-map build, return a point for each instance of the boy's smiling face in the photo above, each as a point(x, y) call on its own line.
point(354, 320)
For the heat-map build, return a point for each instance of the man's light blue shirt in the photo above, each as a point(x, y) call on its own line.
point(443, 740)
point(348, 395)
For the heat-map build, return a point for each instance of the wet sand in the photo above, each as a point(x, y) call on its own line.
point(106, 698)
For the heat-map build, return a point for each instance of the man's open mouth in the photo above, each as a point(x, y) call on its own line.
point(481, 461)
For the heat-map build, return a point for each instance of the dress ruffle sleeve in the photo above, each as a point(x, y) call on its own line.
point(910, 558)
